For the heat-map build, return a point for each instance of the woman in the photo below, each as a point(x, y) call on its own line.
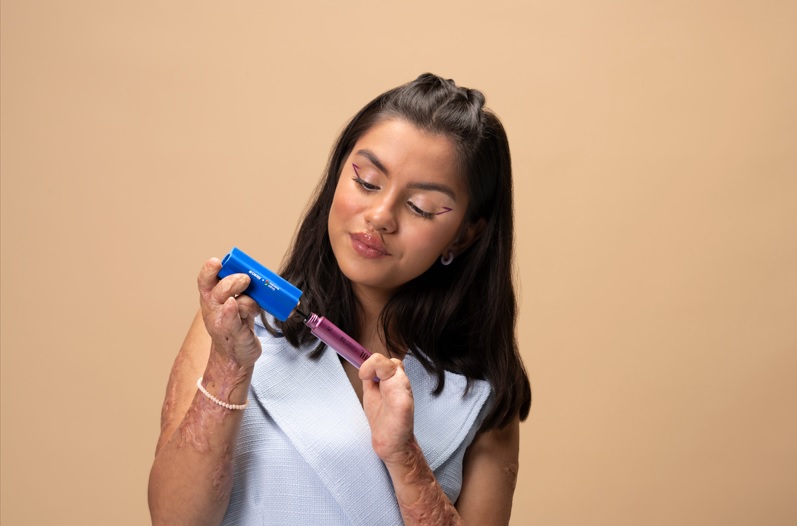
point(407, 246)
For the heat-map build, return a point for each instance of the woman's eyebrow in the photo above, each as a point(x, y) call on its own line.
point(435, 188)
point(373, 159)
point(368, 154)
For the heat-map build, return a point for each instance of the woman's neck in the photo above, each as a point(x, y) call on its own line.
point(370, 305)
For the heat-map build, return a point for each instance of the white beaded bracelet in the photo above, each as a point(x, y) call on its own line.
point(237, 407)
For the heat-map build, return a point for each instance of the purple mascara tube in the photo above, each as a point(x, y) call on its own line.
point(339, 341)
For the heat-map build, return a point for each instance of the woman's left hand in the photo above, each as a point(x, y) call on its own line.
point(388, 405)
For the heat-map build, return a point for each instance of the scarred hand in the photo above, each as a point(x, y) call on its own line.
point(229, 319)
point(388, 405)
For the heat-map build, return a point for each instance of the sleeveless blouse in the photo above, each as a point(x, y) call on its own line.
point(304, 454)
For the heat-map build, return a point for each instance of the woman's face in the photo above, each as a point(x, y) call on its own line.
point(399, 206)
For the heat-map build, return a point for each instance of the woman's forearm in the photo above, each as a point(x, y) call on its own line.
point(191, 477)
point(421, 499)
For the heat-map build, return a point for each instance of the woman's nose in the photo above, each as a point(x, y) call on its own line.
point(381, 216)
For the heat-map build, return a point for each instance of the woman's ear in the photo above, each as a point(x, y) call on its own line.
point(470, 233)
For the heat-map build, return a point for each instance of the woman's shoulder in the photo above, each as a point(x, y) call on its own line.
point(445, 420)
point(455, 385)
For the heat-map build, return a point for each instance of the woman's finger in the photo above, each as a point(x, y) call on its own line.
point(229, 314)
point(229, 287)
point(235, 335)
point(209, 275)
point(247, 307)
point(380, 366)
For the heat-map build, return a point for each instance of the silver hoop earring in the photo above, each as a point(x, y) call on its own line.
point(447, 260)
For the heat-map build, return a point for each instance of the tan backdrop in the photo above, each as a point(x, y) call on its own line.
point(656, 178)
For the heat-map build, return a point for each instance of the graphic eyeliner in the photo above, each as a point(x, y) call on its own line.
point(444, 211)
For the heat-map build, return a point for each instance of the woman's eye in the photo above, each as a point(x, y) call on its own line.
point(365, 185)
point(423, 213)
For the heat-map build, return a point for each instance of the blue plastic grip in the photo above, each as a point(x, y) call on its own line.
point(274, 295)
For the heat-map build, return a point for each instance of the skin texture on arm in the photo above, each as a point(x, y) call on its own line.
point(490, 475)
point(421, 499)
point(191, 477)
point(490, 461)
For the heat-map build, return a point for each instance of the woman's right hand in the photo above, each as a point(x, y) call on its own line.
point(223, 353)
point(229, 318)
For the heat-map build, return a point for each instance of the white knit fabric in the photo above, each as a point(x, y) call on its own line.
point(304, 453)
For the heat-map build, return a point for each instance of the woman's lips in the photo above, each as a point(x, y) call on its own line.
point(368, 245)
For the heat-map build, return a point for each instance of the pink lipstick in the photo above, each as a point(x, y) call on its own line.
point(368, 245)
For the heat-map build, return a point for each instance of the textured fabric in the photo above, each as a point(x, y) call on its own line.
point(304, 452)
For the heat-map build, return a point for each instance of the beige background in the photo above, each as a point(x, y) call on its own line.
point(655, 156)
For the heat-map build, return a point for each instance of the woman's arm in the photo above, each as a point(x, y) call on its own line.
point(490, 464)
point(389, 407)
point(191, 476)
point(489, 476)
point(490, 473)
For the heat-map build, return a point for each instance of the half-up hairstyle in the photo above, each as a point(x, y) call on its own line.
point(460, 317)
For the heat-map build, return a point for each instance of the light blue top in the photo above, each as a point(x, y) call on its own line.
point(304, 454)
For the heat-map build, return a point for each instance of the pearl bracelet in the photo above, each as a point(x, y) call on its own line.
point(213, 399)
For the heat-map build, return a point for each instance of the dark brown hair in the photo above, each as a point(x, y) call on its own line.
point(461, 317)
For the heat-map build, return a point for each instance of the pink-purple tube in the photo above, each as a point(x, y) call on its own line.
point(339, 341)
